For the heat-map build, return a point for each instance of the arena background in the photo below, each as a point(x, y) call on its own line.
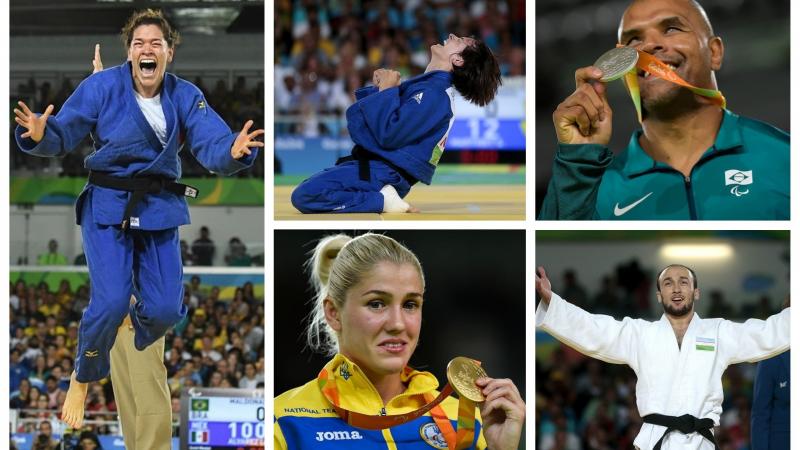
point(571, 34)
point(585, 403)
point(474, 302)
point(51, 51)
point(326, 49)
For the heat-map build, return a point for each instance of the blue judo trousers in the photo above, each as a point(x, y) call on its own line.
point(122, 263)
point(339, 189)
point(144, 259)
point(401, 128)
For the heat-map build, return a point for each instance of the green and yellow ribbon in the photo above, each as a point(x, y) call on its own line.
point(654, 66)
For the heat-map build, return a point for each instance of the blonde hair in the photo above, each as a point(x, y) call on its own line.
point(338, 263)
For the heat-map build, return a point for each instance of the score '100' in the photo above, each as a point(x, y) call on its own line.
point(245, 430)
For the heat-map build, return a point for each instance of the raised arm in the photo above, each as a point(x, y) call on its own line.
point(97, 62)
point(33, 123)
point(61, 133)
point(583, 128)
point(595, 335)
point(755, 339)
point(213, 143)
point(395, 123)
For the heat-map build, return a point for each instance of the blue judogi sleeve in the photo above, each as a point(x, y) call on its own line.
point(208, 136)
point(365, 91)
point(65, 130)
point(395, 122)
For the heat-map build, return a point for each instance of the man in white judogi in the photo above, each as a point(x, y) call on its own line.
point(678, 360)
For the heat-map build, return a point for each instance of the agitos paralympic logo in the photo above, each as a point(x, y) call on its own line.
point(738, 178)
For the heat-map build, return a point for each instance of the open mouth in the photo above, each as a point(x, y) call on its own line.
point(393, 346)
point(677, 299)
point(645, 75)
point(148, 66)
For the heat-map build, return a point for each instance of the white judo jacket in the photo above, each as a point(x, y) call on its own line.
point(670, 380)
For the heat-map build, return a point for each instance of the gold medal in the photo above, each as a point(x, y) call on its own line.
point(462, 373)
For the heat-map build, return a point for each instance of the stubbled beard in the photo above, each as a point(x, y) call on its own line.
point(677, 312)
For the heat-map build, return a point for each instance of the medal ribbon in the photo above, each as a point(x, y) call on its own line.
point(456, 440)
point(656, 67)
point(461, 439)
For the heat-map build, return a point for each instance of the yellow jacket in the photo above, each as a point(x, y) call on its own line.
point(305, 419)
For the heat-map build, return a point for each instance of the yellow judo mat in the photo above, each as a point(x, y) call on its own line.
point(442, 202)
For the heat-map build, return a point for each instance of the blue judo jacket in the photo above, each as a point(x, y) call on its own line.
point(406, 125)
point(770, 418)
point(125, 145)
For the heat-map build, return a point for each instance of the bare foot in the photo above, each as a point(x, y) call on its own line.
point(72, 411)
point(412, 209)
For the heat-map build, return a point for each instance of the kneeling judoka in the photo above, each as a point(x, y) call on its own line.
point(400, 130)
point(678, 360)
point(131, 207)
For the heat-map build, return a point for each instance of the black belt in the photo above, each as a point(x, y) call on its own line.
point(364, 156)
point(139, 187)
point(686, 424)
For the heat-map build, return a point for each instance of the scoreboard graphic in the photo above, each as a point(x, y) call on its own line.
point(214, 419)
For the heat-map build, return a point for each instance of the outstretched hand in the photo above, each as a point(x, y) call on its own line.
point(30, 121)
point(543, 286)
point(97, 63)
point(503, 413)
point(241, 146)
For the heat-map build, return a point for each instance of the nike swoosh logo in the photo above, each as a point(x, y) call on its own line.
point(620, 211)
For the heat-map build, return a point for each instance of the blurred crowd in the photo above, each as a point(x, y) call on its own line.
point(201, 252)
point(220, 343)
point(586, 404)
point(235, 104)
point(327, 49)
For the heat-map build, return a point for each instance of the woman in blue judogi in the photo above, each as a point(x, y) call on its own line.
point(139, 116)
point(400, 131)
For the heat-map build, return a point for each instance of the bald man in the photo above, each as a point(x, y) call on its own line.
point(678, 360)
point(692, 159)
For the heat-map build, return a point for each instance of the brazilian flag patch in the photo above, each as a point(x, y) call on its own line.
point(199, 404)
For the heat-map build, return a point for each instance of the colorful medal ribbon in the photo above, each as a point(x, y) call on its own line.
point(654, 66)
point(456, 440)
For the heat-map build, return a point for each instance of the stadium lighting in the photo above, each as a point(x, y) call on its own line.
point(696, 251)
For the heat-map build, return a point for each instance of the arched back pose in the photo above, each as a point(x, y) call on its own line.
point(400, 131)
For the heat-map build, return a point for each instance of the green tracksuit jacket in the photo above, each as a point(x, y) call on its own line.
point(744, 176)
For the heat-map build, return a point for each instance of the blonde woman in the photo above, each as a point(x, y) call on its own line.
point(367, 316)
